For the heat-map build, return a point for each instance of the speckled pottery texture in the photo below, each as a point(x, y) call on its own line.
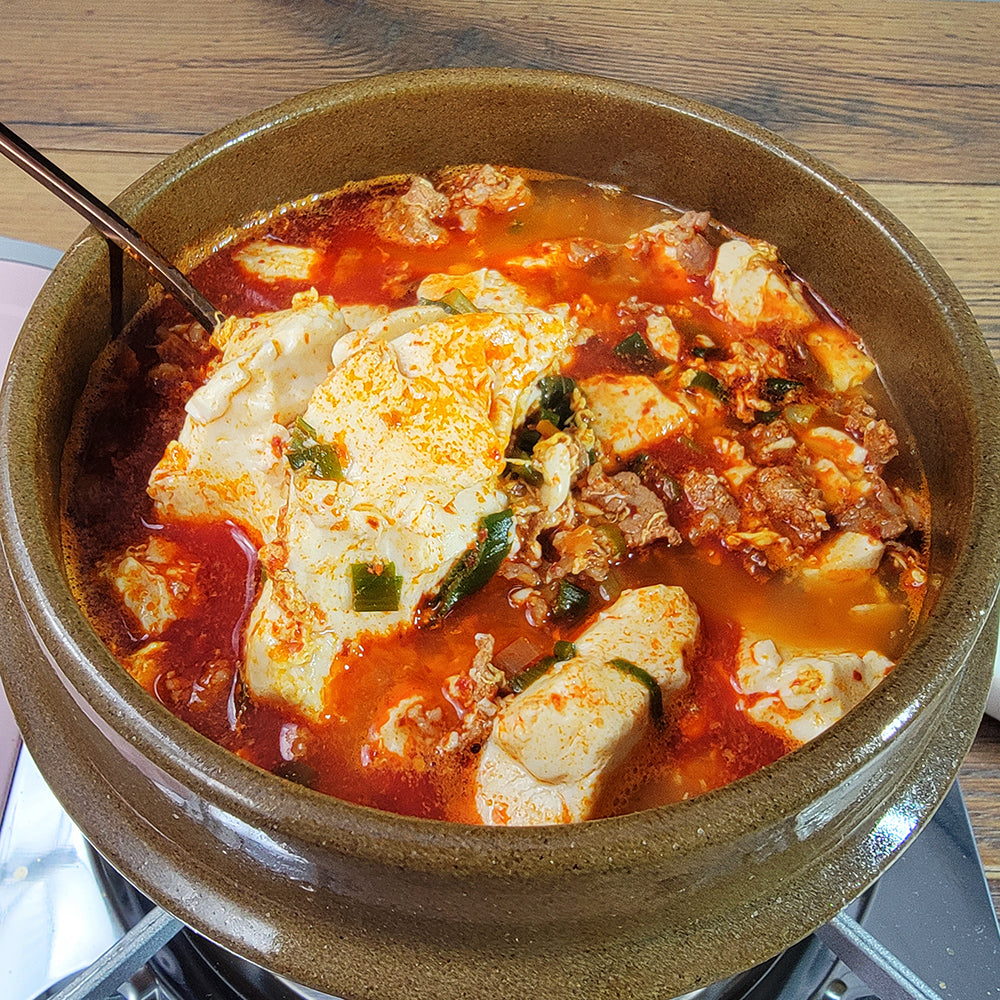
point(360, 903)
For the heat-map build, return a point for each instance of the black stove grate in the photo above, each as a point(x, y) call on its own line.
point(926, 931)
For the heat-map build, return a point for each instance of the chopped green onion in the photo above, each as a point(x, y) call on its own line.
point(571, 601)
point(701, 351)
point(375, 586)
point(520, 465)
point(476, 567)
point(527, 439)
point(703, 380)
point(453, 302)
point(648, 682)
point(613, 534)
point(766, 416)
point(775, 389)
point(557, 399)
point(636, 351)
point(304, 449)
point(527, 677)
point(563, 651)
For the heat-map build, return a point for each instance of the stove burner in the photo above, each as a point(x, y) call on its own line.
point(925, 931)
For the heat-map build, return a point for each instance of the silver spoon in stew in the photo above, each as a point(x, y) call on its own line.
point(109, 223)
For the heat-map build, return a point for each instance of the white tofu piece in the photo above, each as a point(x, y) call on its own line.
point(228, 458)
point(630, 412)
point(555, 745)
point(271, 262)
point(748, 284)
point(421, 424)
point(663, 337)
point(386, 327)
point(838, 446)
point(360, 315)
point(846, 557)
point(486, 289)
point(844, 362)
point(800, 694)
point(154, 581)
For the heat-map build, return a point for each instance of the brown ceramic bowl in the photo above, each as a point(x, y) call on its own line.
point(360, 903)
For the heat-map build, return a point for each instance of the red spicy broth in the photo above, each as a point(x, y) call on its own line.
point(134, 407)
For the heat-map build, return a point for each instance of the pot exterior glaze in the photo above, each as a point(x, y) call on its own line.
point(363, 904)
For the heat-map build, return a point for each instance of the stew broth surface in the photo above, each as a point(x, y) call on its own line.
point(134, 408)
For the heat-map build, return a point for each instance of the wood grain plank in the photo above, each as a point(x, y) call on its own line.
point(29, 212)
point(904, 90)
point(958, 225)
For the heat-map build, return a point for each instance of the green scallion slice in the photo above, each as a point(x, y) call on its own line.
point(571, 601)
point(703, 380)
point(775, 389)
point(635, 350)
point(529, 675)
point(562, 651)
point(557, 399)
point(647, 681)
point(306, 451)
point(375, 586)
point(476, 567)
point(454, 302)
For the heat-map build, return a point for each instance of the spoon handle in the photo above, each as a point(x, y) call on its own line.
point(109, 223)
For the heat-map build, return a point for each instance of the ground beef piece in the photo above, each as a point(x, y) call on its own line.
point(694, 252)
point(488, 187)
point(408, 219)
point(881, 444)
point(476, 693)
point(638, 511)
point(785, 503)
point(769, 444)
point(878, 437)
point(683, 238)
point(713, 508)
point(877, 513)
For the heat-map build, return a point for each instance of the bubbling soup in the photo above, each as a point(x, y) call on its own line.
point(499, 498)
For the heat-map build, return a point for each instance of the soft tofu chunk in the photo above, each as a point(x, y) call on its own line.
point(663, 337)
point(228, 460)
point(555, 745)
point(154, 582)
point(844, 362)
point(828, 442)
point(848, 556)
point(421, 424)
point(630, 412)
point(486, 289)
point(800, 694)
point(386, 327)
point(750, 286)
point(271, 262)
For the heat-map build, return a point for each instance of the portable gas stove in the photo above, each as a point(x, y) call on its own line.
point(926, 930)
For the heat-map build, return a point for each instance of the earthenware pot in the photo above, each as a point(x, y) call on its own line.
point(360, 903)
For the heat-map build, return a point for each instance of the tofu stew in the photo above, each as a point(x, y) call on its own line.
point(499, 498)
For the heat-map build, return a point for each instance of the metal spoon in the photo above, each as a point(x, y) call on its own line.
point(109, 223)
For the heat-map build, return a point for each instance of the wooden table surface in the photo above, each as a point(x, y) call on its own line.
point(902, 96)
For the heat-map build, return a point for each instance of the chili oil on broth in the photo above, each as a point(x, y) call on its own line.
point(134, 406)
